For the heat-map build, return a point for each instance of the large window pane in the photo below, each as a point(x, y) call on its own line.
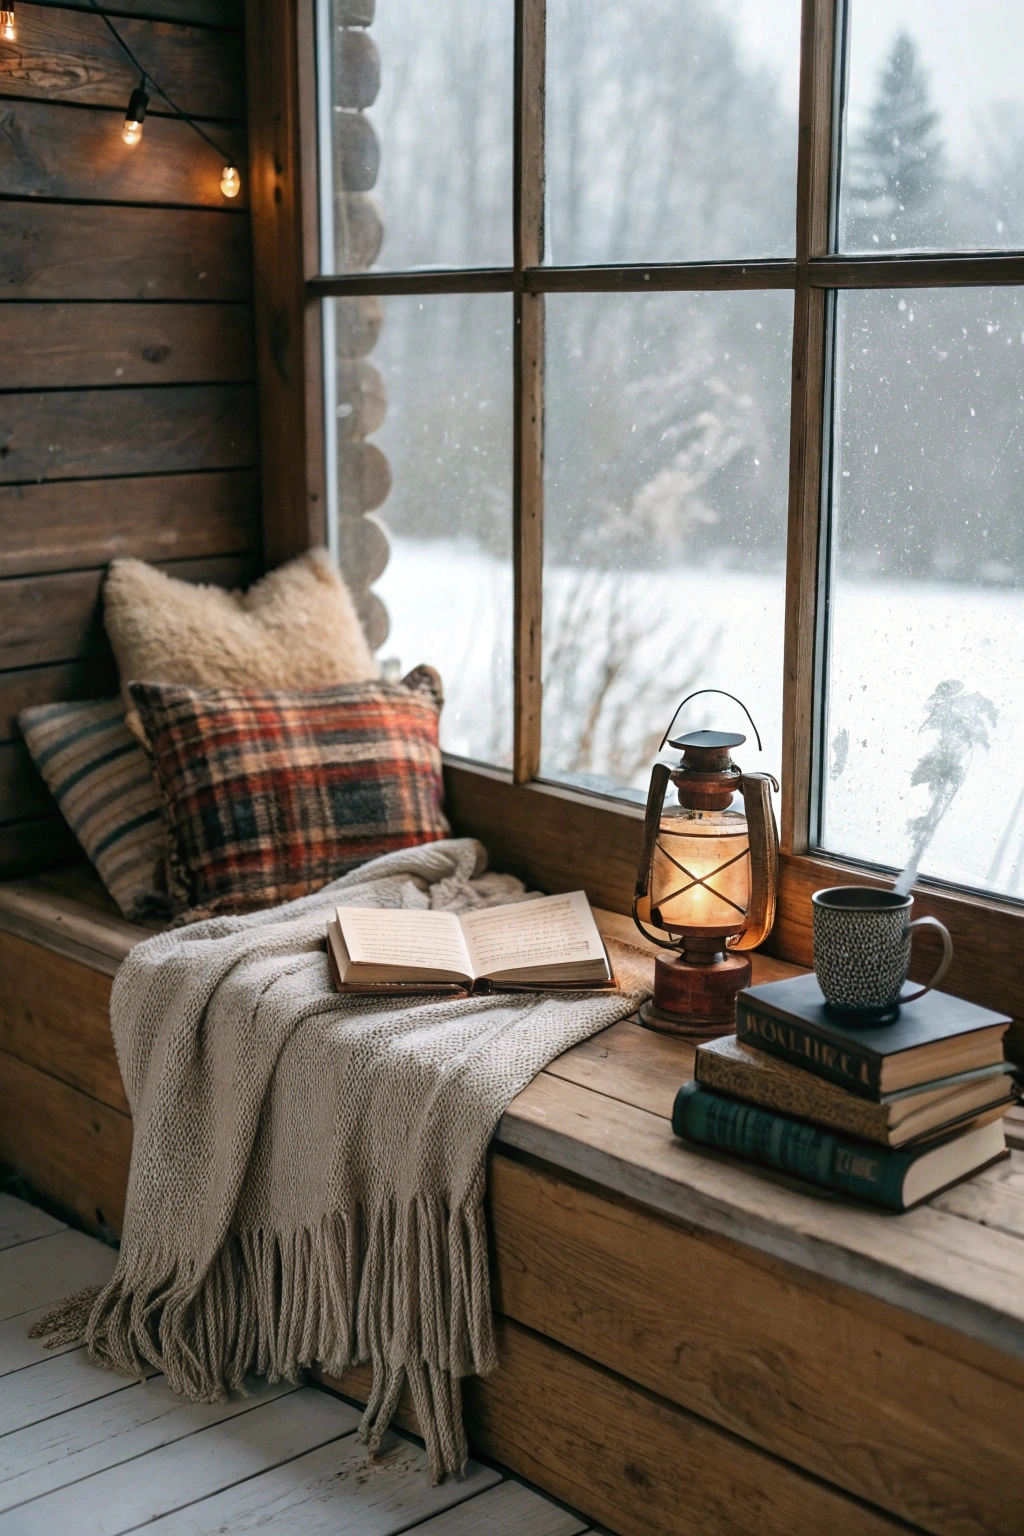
point(416, 114)
point(923, 738)
point(933, 154)
point(445, 431)
point(671, 129)
point(665, 523)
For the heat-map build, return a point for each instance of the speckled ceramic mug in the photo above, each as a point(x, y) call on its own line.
point(862, 940)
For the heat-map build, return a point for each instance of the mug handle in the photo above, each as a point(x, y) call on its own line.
point(944, 963)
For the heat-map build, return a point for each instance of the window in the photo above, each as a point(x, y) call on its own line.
point(644, 391)
point(922, 731)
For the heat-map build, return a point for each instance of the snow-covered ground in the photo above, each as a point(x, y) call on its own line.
point(678, 629)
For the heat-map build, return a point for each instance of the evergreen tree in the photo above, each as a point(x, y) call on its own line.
point(893, 188)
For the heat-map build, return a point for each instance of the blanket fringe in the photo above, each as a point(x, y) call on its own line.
point(407, 1290)
point(66, 1323)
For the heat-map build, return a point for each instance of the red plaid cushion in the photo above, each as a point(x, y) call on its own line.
point(269, 794)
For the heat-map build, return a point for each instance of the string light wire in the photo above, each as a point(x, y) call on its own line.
point(229, 166)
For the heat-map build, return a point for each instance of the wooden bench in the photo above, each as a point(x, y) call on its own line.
point(686, 1345)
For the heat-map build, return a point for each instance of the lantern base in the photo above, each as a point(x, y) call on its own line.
point(696, 1001)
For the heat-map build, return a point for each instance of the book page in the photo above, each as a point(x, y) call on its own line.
point(551, 930)
point(429, 940)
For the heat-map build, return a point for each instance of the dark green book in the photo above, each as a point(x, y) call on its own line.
point(936, 1036)
point(893, 1179)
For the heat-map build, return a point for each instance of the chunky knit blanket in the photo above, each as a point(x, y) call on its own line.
point(307, 1174)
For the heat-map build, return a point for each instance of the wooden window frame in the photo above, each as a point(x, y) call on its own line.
point(557, 837)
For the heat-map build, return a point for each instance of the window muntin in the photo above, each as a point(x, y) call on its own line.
point(923, 729)
point(665, 488)
point(671, 130)
point(934, 135)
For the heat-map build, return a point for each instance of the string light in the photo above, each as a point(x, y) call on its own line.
point(8, 31)
point(230, 181)
point(133, 118)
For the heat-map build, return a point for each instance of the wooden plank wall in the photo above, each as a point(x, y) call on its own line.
point(128, 417)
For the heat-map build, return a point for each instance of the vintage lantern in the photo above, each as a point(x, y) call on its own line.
point(707, 879)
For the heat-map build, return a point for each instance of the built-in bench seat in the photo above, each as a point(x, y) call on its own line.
point(686, 1345)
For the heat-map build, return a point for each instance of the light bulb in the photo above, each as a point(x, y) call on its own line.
point(8, 33)
point(230, 182)
point(133, 117)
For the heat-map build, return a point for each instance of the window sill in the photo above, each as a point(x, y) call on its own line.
point(563, 839)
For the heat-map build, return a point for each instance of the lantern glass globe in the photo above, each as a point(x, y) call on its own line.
point(700, 878)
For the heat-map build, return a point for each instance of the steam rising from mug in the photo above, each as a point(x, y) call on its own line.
point(959, 720)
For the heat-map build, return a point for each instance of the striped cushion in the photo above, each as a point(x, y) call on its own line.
point(271, 793)
point(101, 779)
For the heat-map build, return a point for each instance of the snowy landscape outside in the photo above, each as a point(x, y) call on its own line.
point(671, 136)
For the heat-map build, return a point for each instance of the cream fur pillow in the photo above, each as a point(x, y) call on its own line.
point(294, 628)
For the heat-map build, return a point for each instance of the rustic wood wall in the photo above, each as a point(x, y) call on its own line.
point(128, 418)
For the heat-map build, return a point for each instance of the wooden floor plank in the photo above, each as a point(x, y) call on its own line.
point(17, 1351)
point(333, 1491)
point(507, 1510)
point(53, 1387)
point(119, 1427)
point(136, 1492)
point(23, 1223)
point(41, 1273)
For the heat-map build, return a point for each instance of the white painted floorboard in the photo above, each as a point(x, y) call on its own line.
point(17, 1350)
point(508, 1510)
point(117, 1428)
point(90, 1453)
point(55, 1385)
point(44, 1271)
point(335, 1491)
point(137, 1491)
point(20, 1222)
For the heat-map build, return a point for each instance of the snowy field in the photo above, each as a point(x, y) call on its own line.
point(680, 629)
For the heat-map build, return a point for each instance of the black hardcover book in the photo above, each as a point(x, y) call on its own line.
point(933, 1037)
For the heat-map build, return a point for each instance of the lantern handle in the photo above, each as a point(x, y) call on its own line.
point(725, 695)
point(660, 775)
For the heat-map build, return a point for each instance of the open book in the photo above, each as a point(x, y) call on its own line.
point(550, 942)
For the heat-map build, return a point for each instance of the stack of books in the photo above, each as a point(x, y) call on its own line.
point(889, 1114)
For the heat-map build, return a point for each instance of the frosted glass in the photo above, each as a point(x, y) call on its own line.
point(671, 129)
point(665, 489)
point(445, 364)
point(923, 734)
point(933, 149)
point(441, 128)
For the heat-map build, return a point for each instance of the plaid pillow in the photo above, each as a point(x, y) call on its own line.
point(99, 776)
point(270, 794)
